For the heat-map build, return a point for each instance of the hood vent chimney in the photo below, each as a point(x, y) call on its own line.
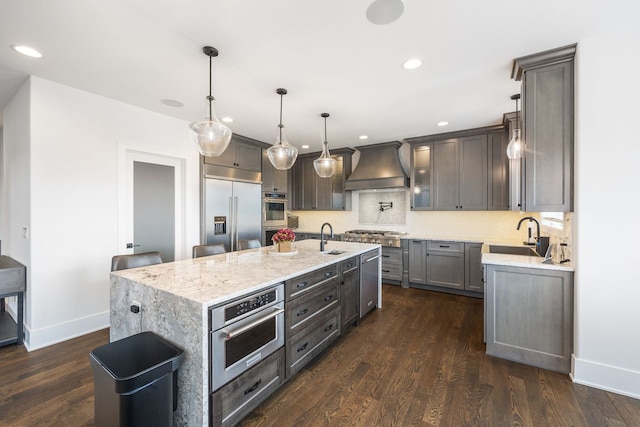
point(378, 168)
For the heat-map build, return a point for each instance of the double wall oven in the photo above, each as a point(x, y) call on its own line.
point(274, 215)
point(244, 332)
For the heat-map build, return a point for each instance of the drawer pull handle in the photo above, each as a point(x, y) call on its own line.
point(328, 274)
point(302, 347)
point(328, 328)
point(386, 271)
point(301, 285)
point(328, 297)
point(350, 265)
point(386, 256)
point(444, 246)
point(253, 387)
point(302, 312)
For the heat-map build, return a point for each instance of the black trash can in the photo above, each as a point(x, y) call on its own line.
point(136, 381)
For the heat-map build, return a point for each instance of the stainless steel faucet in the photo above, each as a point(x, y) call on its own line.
point(530, 218)
point(322, 241)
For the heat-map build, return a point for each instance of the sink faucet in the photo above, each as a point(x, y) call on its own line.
point(322, 242)
point(530, 218)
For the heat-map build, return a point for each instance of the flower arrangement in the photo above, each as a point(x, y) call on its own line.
point(284, 235)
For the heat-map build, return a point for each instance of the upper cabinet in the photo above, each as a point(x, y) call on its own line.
point(310, 192)
point(272, 179)
point(242, 153)
point(547, 112)
point(459, 170)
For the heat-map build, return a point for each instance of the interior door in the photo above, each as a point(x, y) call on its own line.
point(150, 203)
point(154, 209)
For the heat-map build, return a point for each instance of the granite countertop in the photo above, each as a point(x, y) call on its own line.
point(521, 261)
point(218, 278)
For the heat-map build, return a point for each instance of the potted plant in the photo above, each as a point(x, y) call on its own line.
point(283, 238)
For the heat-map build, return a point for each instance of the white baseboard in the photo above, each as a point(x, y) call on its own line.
point(605, 377)
point(44, 337)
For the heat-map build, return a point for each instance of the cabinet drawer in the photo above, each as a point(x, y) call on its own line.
point(348, 265)
point(236, 399)
point(391, 272)
point(300, 311)
point(301, 284)
point(391, 256)
point(311, 340)
point(442, 246)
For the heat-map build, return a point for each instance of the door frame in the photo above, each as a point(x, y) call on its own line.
point(127, 155)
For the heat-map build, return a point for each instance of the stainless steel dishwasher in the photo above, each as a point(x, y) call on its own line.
point(369, 278)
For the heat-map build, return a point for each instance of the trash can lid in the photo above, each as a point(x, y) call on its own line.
point(138, 354)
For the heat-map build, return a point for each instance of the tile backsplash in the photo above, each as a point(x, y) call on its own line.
point(393, 203)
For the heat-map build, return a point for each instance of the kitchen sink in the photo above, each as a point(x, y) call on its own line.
point(512, 250)
point(333, 252)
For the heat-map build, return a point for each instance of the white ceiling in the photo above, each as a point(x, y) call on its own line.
point(325, 53)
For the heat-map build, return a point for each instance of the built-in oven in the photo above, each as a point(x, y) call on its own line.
point(244, 332)
point(274, 210)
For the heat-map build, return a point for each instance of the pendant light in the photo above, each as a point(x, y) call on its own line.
point(515, 148)
point(282, 155)
point(210, 135)
point(325, 165)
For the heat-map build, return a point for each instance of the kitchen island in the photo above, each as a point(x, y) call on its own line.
point(175, 301)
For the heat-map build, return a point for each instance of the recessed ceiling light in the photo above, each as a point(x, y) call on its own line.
point(443, 123)
point(227, 119)
point(363, 137)
point(305, 146)
point(172, 102)
point(26, 50)
point(411, 64)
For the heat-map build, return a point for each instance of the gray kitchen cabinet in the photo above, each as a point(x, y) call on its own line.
point(242, 153)
point(349, 292)
point(272, 179)
point(312, 315)
point(310, 192)
point(547, 112)
point(392, 265)
point(460, 173)
point(421, 176)
point(235, 400)
point(498, 171)
point(473, 279)
point(418, 261)
point(445, 264)
point(529, 315)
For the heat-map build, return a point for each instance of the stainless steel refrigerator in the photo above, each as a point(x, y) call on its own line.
point(232, 212)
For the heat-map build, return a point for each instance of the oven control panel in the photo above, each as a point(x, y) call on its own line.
point(250, 304)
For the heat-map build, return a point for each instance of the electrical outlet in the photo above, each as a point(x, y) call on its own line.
point(135, 307)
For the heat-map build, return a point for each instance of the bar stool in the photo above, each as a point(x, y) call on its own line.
point(123, 262)
point(249, 244)
point(206, 250)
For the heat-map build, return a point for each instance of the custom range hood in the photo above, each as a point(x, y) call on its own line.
point(379, 167)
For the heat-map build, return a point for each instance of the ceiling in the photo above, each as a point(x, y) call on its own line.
point(325, 53)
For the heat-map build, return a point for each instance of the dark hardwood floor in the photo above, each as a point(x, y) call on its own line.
point(418, 361)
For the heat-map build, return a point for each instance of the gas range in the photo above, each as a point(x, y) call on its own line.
point(384, 238)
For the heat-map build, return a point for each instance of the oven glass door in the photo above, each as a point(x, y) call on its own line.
point(275, 211)
point(242, 345)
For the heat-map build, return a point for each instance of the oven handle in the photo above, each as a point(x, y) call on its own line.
point(231, 334)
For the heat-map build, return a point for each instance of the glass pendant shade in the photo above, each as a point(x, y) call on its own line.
point(515, 147)
point(282, 155)
point(210, 136)
point(325, 165)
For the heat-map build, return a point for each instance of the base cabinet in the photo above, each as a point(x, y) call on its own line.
point(445, 264)
point(392, 265)
point(529, 315)
point(349, 292)
point(242, 395)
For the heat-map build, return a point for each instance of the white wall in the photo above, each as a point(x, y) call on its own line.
point(74, 142)
point(607, 332)
point(15, 192)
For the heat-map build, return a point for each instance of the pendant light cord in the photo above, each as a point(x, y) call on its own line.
point(210, 97)
point(281, 125)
